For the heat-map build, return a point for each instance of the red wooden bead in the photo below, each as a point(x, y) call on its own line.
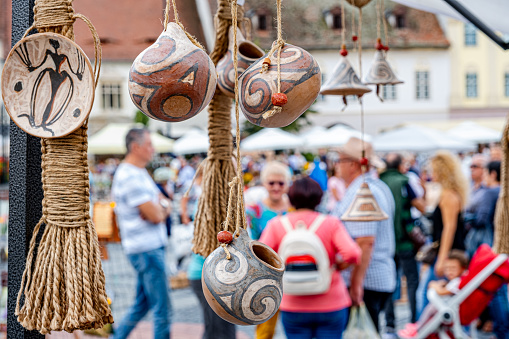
point(364, 162)
point(343, 52)
point(279, 99)
point(386, 48)
point(225, 237)
point(355, 37)
point(379, 46)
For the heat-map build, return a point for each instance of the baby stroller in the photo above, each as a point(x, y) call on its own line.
point(487, 272)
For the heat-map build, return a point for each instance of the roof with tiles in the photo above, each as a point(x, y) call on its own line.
point(305, 25)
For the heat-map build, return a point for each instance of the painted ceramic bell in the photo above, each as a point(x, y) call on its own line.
point(381, 72)
point(247, 54)
point(172, 80)
point(300, 82)
point(364, 207)
point(344, 81)
point(247, 289)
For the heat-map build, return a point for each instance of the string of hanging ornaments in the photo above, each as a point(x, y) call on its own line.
point(343, 80)
point(242, 278)
point(364, 207)
point(48, 87)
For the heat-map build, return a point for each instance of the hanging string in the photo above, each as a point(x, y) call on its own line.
point(353, 31)
point(386, 31)
point(360, 43)
point(343, 23)
point(378, 29)
point(279, 44)
point(177, 21)
point(360, 98)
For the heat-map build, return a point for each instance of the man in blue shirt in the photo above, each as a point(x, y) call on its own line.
point(141, 212)
point(374, 279)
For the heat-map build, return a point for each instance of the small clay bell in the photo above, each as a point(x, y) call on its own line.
point(172, 80)
point(300, 81)
point(247, 54)
point(247, 289)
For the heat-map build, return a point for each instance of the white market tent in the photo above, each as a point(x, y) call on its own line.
point(335, 136)
point(475, 133)
point(312, 134)
point(192, 142)
point(111, 140)
point(271, 139)
point(415, 138)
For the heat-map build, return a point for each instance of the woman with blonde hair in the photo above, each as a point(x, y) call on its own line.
point(448, 225)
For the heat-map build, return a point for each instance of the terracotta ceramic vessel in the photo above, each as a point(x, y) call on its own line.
point(359, 3)
point(172, 80)
point(247, 289)
point(300, 81)
point(247, 54)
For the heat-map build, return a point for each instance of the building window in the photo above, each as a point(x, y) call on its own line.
point(471, 85)
point(422, 85)
point(506, 84)
point(470, 35)
point(262, 22)
point(112, 96)
point(389, 92)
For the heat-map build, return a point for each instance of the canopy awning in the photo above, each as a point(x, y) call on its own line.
point(271, 139)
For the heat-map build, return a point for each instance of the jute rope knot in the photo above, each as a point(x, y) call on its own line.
point(63, 285)
point(177, 21)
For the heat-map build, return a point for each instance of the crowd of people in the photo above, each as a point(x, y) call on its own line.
point(446, 201)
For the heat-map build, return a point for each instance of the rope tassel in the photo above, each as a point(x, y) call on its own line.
point(63, 285)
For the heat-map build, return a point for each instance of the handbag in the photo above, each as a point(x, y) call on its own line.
point(427, 254)
point(360, 325)
point(417, 236)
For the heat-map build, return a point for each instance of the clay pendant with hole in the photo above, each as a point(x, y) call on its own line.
point(300, 81)
point(172, 80)
point(48, 85)
point(247, 289)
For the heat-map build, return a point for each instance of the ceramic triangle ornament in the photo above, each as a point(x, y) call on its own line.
point(344, 81)
point(364, 207)
point(381, 73)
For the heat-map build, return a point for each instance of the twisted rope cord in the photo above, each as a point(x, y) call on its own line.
point(378, 9)
point(501, 241)
point(384, 20)
point(278, 45)
point(177, 21)
point(353, 30)
point(343, 23)
point(64, 289)
point(360, 43)
point(218, 168)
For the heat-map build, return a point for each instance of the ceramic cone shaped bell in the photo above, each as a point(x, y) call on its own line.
point(364, 207)
point(344, 81)
point(381, 72)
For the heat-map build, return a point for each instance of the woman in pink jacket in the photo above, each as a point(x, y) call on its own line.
point(323, 315)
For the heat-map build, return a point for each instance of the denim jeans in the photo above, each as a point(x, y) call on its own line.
point(152, 293)
point(499, 313)
point(422, 300)
point(329, 325)
point(406, 261)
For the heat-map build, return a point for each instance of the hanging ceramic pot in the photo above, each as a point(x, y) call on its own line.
point(381, 73)
point(358, 3)
point(300, 82)
point(172, 80)
point(47, 85)
point(247, 54)
point(247, 289)
point(344, 81)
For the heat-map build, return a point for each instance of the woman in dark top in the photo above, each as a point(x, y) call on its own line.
point(448, 226)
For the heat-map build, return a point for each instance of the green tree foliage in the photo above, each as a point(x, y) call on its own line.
point(141, 118)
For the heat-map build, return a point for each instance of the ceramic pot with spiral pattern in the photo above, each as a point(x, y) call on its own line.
point(247, 54)
point(172, 80)
point(247, 289)
point(300, 81)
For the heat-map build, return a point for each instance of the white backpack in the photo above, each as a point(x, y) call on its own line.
point(310, 273)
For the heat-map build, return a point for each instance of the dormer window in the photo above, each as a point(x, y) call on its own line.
point(262, 22)
point(397, 18)
point(333, 18)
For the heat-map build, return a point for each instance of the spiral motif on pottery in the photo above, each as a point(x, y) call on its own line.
point(261, 300)
point(226, 73)
point(231, 271)
point(172, 80)
point(382, 73)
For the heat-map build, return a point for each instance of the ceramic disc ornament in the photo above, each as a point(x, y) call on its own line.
point(247, 289)
point(300, 82)
point(358, 3)
point(172, 80)
point(48, 85)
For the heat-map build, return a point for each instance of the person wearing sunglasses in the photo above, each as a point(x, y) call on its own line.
point(275, 178)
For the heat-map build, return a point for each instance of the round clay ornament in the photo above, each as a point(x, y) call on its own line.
point(48, 85)
point(358, 3)
point(300, 81)
point(172, 80)
point(247, 289)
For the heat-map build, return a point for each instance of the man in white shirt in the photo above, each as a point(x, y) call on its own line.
point(141, 212)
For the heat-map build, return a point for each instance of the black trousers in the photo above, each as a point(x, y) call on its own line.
point(406, 261)
point(375, 303)
point(215, 327)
